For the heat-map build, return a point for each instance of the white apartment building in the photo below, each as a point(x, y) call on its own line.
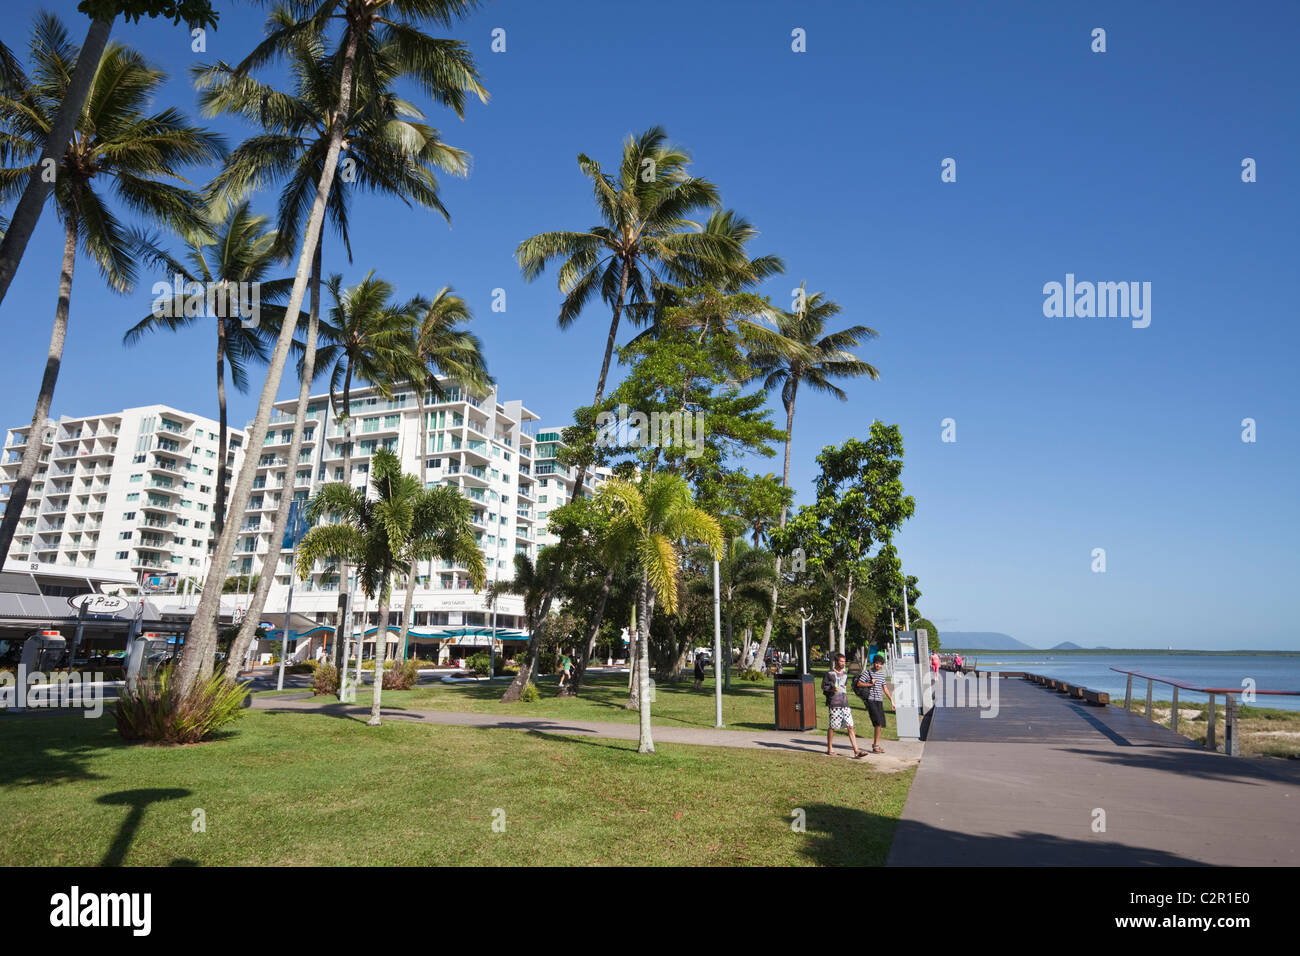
point(482, 447)
point(554, 481)
point(133, 489)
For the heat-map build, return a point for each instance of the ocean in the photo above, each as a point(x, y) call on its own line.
point(1093, 670)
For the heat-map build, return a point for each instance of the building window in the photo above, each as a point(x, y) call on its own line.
point(128, 516)
point(123, 555)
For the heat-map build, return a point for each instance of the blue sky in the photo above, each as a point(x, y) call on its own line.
point(1072, 433)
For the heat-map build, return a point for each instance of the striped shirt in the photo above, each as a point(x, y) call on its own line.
point(876, 680)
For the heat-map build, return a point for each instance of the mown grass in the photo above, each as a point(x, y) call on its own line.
point(301, 789)
point(746, 706)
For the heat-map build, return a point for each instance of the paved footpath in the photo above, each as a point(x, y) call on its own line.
point(899, 755)
point(1025, 787)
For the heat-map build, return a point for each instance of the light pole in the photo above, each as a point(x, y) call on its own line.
point(803, 630)
point(717, 646)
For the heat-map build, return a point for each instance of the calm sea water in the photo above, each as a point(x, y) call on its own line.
point(1270, 672)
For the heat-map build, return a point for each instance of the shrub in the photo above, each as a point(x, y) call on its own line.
point(326, 680)
point(530, 694)
point(401, 675)
point(158, 713)
point(307, 667)
point(547, 662)
point(368, 665)
point(478, 664)
point(753, 675)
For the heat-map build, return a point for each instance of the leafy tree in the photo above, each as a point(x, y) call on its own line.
point(118, 145)
point(386, 535)
point(859, 504)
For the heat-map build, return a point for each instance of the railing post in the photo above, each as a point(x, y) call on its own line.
point(1128, 693)
point(1209, 727)
point(1148, 698)
point(1231, 745)
point(1173, 712)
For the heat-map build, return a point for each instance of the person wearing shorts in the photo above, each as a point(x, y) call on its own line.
point(873, 689)
point(835, 686)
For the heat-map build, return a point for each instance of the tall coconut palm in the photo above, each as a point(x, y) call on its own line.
point(650, 520)
point(236, 251)
point(827, 358)
point(445, 71)
point(389, 150)
point(645, 238)
point(196, 13)
point(440, 348)
point(386, 535)
point(118, 145)
point(645, 235)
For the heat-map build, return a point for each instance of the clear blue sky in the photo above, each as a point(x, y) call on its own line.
point(1072, 433)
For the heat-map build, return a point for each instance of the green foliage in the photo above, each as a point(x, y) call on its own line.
point(530, 694)
point(547, 662)
point(932, 632)
point(402, 675)
point(326, 680)
point(195, 13)
point(478, 664)
point(156, 712)
point(753, 675)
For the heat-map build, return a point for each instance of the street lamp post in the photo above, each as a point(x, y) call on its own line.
point(803, 630)
point(717, 646)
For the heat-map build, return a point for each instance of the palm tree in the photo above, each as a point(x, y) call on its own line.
point(649, 521)
point(235, 251)
point(644, 237)
point(389, 150)
point(196, 13)
point(445, 71)
point(823, 358)
point(386, 535)
point(530, 582)
point(117, 143)
point(440, 349)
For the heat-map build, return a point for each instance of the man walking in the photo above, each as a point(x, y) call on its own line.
point(871, 687)
point(699, 671)
point(835, 686)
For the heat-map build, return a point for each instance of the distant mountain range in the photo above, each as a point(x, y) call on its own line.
point(983, 641)
point(997, 641)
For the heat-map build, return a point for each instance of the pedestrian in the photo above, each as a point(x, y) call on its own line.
point(699, 671)
point(934, 662)
point(566, 669)
point(835, 686)
point(873, 690)
point(956, 660)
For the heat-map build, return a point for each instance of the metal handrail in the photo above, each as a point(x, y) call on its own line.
point(1231, 738)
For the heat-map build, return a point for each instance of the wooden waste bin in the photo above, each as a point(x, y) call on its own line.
point(796, 702)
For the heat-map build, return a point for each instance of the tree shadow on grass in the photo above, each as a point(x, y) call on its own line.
point(137, 800)
point(45, 750)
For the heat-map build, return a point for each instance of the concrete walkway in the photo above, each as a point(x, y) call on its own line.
point(1028, 786)
point(898, 756)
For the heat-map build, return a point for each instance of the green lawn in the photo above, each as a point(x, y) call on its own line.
point(745, 707)
point(299, 789)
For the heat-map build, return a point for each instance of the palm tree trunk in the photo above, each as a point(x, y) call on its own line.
point(381, 651)
point(28, 211)
point(45, 397)
point(248, 629)
point(424, 480)
point(345, 568)
point(646, 744)
point(785, 483)
point(584, 652)
point(530, 655)
point(219, 508)
point(203, 632)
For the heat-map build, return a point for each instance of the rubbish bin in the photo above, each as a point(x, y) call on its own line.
point(796, 702)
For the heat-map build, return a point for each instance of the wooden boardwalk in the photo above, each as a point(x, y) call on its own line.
point(1024, 788)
